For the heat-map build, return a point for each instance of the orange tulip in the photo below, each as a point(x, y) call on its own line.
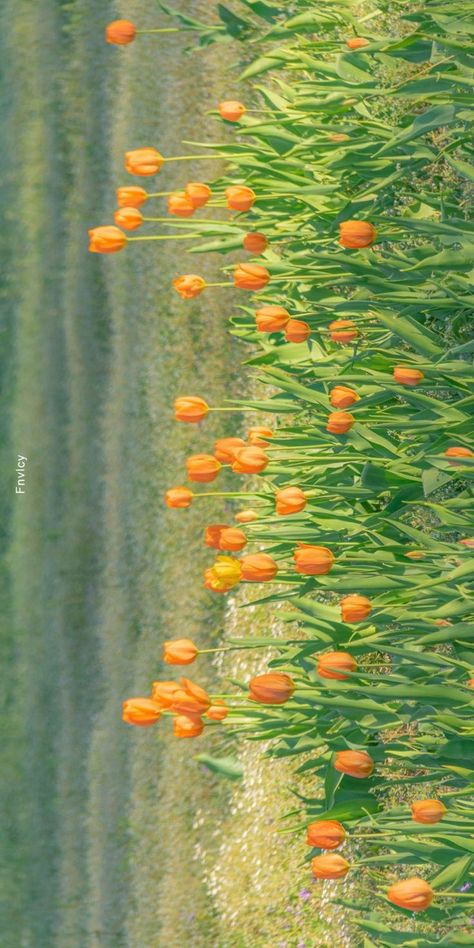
point(427, 811)
point(132, 196)
point(313, 560)
point(357, 42)
point(272, 688)
point(190, 408)
point(469, 542)
point(239, 197)
point(180, 205)
point(343, 330)
point(258, 435)
point(271, 318)
point(341, 661)
point(297, 330)
point(218, 711)
point(163, 692)
point(140, 711)
point(203, 468)
point(339, 137)
point(231, 110)
point(143, 161)
point(189, 285)
point(197, 193)
point(106, 239)
point(225, 573)
point(330, 866)
point(289, 500)
point(470, 683)
point(258, 568)
point(406, 376)
point(187, 725)
point(415, 555)
point(354, 763)
point(212, 534)
point(221, 537)
point(179, 497)
point(342, 397)
point(120, 32)
point(340, 422)
point(356, 234)
point(355, 608)
point(250, 276)
point(246, 516)
point(326, 834)
point(458, 452)
point(249, 460)
point(129, 218)
point(413, 894)
point(190, 698)
point(255, 242)
point(179, 652)
point(225, 448)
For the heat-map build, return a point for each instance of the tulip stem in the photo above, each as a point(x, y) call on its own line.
point(204, 157)
point(165, 237)
point(222, 494)
point(164, 29)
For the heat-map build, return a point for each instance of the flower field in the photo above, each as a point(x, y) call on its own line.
point(348, 180)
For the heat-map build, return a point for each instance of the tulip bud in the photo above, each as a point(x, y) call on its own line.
point(246, 516)
point(120, 32)
point(326, 834)
point(231, 110)
point(255, 242)
point(427, 811)
point(355, 608)
point(225, 573)
point(239, 197)
point(330, 866)
point(343, 330)
point(163, 692)
point(470, 683)
point(221, 537)
point(131, 196)
point(354, 763)
point(218, 711)
point(249, 460)
point(189, 285)
point(458, 452)
point(107, 239)
point(342, 397)
point(334, 664)
point(198, 193)
point(179, 497)
point(339, 137)
point(271, 318)
point(202, 468)
point(179, 652)
point(250, 276)
point(190, 698)
point(289, 500)
point(190, 408)
point(128, 217)
point(297, 330)
point(258, 435)
point(356, 234)
point(143, 161)
point(340, 422)
point(468, 542)
point(357, 42)
point(140, 711)
point(406, 376)
point(187, 725)
point(224, 449)
point(180, 205)
point(413, 894)
point(272, 688)
point(258, 568)
point(415, 555)
point(313, 560)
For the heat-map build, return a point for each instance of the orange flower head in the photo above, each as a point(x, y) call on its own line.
point(143, 162)
point(297, 330)
point(225, 448)
point(326, 834)
point(187, 725)
point(106, 239)
point(407, 376)
point(255, 242)
point(180, 205)
point(342, 397)
point(427, 811)
point(343, 330)
point(335, 665)
point(225, 573)
point(179, 497)
point(271, 318)
point(356, 234)
point(339, 137)
point(231, 111)
point(202, 468)
point(190, 698)
point(415, 555)
point(340, 422)
point(120, 32)
point(258, 568)
point(259, 436)
point(357, 42)
point(313, 560)
point(246, 516)
point(413, 894)
point(163, 692)
point(469, 542)
point(197, 193)
point(239, 197)
point(221, 537)
point(179, 652)
point(289, 500)
point(129, 218)
point(249, 460)
point(330, 866)
point(218, 711)
point(354, 763)
point(132, 196)
point(250, 276)
point(189, 285)
point(355, 608)
point(458, 452)
point(272, 688)
point(470, 683)
point(212, 534)
point(190, 408)
point(140, 711)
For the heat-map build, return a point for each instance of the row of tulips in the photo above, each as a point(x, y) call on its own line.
point(361, 519)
